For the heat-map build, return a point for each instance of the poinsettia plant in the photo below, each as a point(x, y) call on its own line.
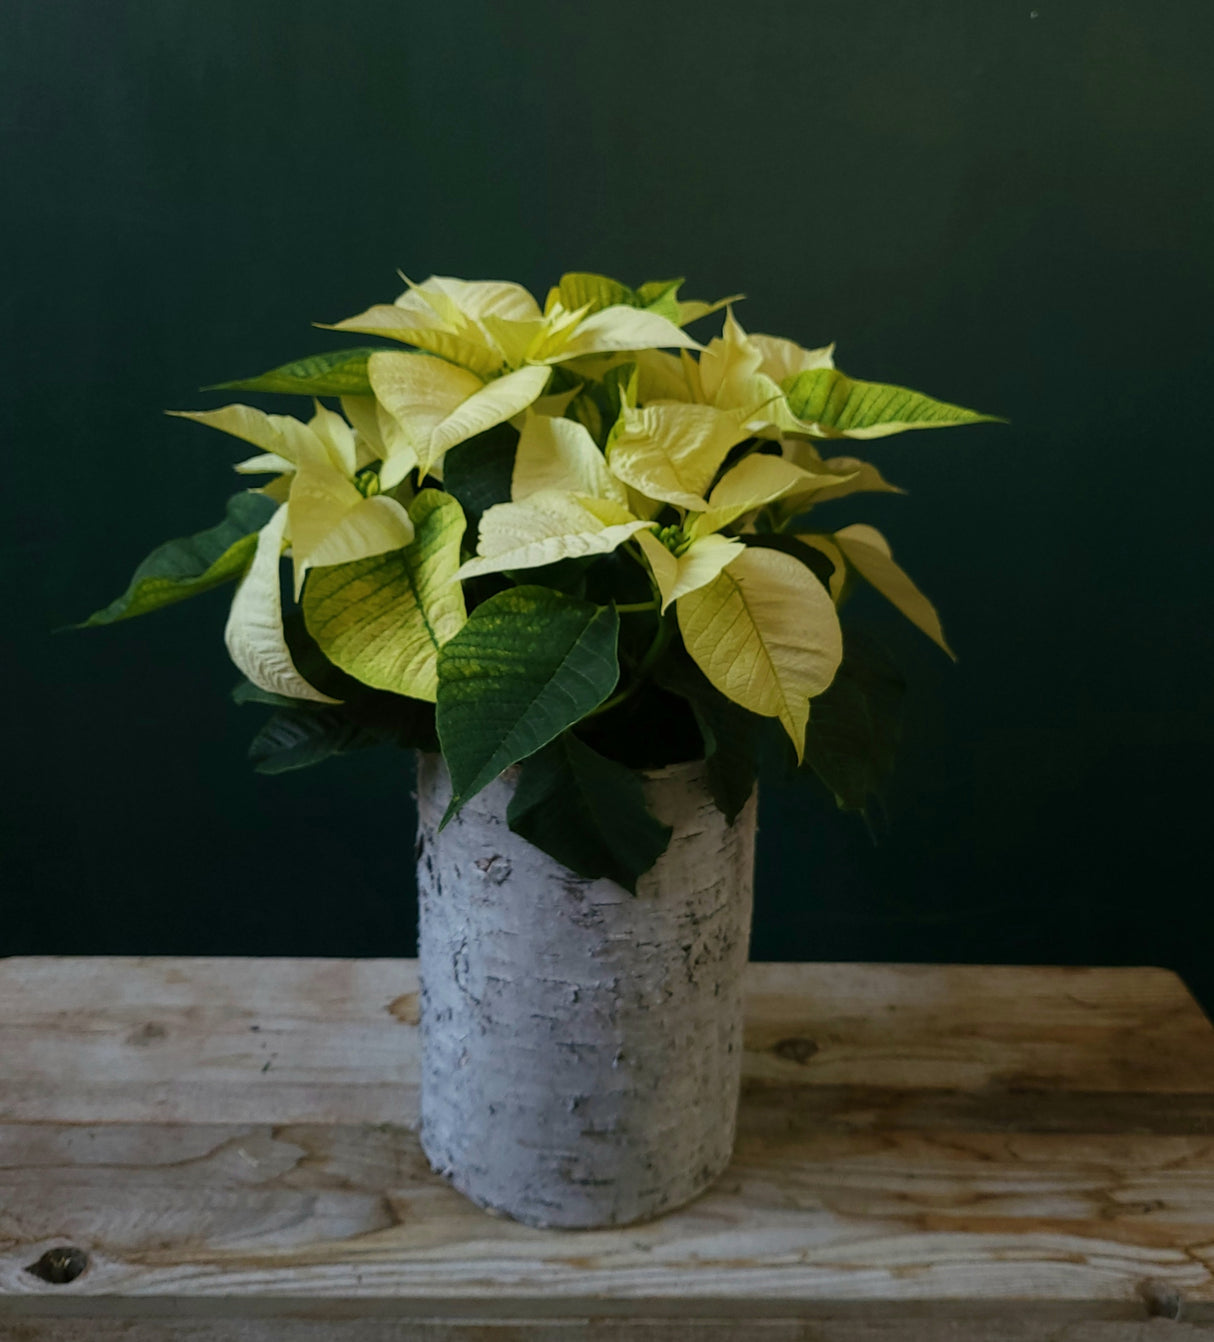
point(571, 538)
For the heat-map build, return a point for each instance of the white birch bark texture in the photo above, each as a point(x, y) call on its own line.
point(581, 1046)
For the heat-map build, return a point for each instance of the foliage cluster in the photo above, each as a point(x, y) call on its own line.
point(570, 538)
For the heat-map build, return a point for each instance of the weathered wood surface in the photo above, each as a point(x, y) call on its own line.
point(923, 1152)
point(595, 1330)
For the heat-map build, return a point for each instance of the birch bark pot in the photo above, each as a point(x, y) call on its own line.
point(581, 1046)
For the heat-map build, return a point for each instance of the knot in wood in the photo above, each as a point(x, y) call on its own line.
point(795, 1050)
point(1162, 1301)
point(147, 1033)
point(60, 1265)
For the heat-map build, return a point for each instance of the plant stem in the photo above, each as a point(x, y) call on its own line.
point(634, 607)
point(633, 550)
point(657, 647)
point(608, 704)
point(655, 650)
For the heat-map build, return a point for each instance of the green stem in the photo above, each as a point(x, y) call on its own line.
point(656, 649)
point(634, 551)
point(608, 704)
point(635, 606)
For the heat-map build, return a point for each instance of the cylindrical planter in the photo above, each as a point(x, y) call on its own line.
point(581, 1046)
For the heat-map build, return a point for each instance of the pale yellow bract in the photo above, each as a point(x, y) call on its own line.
point(487, 350)
point(328, 520)
point(488, 326)
point(254, 634)
point(765, 632)
point(736, 373)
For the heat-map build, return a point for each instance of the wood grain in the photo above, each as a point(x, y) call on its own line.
point(232, 1144)
point(596, 1330)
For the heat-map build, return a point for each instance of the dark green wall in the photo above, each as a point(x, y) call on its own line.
point(1005, 206)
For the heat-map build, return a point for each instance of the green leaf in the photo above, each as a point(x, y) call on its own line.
point(580, 289)
point(479, 471)
point(615, 389)
point(839, 406)
point(371, 717)
point(341, 372)
point(597, 406)
point(562, 381)
point(529, 663)
point(730, 733)
point(855, 724)
point(565, 575)
point(382, 620)
point(584, 409)
point(192, 564)
point(662, 297)
point(587, 812)
point(293, 740)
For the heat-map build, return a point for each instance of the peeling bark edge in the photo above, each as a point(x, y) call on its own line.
point(581, 1046)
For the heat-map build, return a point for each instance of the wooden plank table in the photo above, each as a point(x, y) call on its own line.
point(228, 1147)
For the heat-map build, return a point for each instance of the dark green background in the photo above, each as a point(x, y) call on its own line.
point(1002, 205)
